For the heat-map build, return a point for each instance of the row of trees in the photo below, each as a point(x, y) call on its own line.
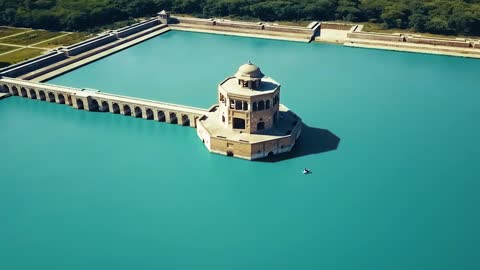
point(435, 16)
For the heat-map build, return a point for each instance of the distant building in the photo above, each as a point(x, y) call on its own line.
point(164, 16)
point(249, 121)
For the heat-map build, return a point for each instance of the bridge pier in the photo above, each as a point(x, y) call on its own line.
point(167, 118)
point(193, 123)
point(69, 101)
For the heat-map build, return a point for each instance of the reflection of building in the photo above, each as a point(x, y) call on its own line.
point(249, 121)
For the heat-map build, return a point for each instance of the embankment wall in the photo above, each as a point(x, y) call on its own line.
point(456, 43)
point(376, 36)
point(336, 26)
point(81, 50)
point(227, 25)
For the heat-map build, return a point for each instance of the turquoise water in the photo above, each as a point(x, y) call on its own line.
point(83, 190)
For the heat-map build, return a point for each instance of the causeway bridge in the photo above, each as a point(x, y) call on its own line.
point(94, 100)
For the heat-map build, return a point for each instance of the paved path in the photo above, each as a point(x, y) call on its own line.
point(32, 46)
point(17, 34)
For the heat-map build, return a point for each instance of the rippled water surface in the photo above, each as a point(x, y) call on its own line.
point(84, 190)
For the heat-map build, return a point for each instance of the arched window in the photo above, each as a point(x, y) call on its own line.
point(267, 104)
point(223, 118)
point(261, 105)
point(238, 105)
point(245, 106)
point(260, 125)
point(255, 107)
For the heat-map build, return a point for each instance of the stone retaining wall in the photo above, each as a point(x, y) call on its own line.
point(439, 41)
point(258, 26)
point(189, 20)
point(289, 29)
point(91, 44)
point(246, 25)
point(36, 63)
point(2, 70)
point(85, 48)
point(88, 54)
point(138, 27)
point(456, 43)
point(376, 36)
point(336, 26)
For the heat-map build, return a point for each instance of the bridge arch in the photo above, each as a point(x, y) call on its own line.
point(23, 92)
point(94, 105)
point(115, 108)
point(161, 116)
point(138, 112)
point(79, 104)
point(41, 94)
point(51, 97)
point(33, 94)
point(185, 120)
point(127, 110)
point(61, 99)
point(14, 91)
point(173, 118)
point(105, 107)
point(149, 113)
point(6, 88)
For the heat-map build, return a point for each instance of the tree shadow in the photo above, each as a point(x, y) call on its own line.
point(312, 141)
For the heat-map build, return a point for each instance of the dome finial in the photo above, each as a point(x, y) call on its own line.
point(250, 62)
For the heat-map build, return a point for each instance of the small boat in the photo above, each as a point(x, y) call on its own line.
point(306, 171)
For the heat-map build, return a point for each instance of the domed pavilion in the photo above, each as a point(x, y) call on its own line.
point(249, 121)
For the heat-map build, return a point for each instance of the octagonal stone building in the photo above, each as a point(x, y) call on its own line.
point(249, 121)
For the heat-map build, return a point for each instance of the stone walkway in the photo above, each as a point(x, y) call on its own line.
point(92, 58)
point(414, 48)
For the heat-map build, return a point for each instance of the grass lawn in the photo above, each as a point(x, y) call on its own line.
point(65, 40)
point(18, 56)
point(4, 49)
point(7, 31)
point(31, 37)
